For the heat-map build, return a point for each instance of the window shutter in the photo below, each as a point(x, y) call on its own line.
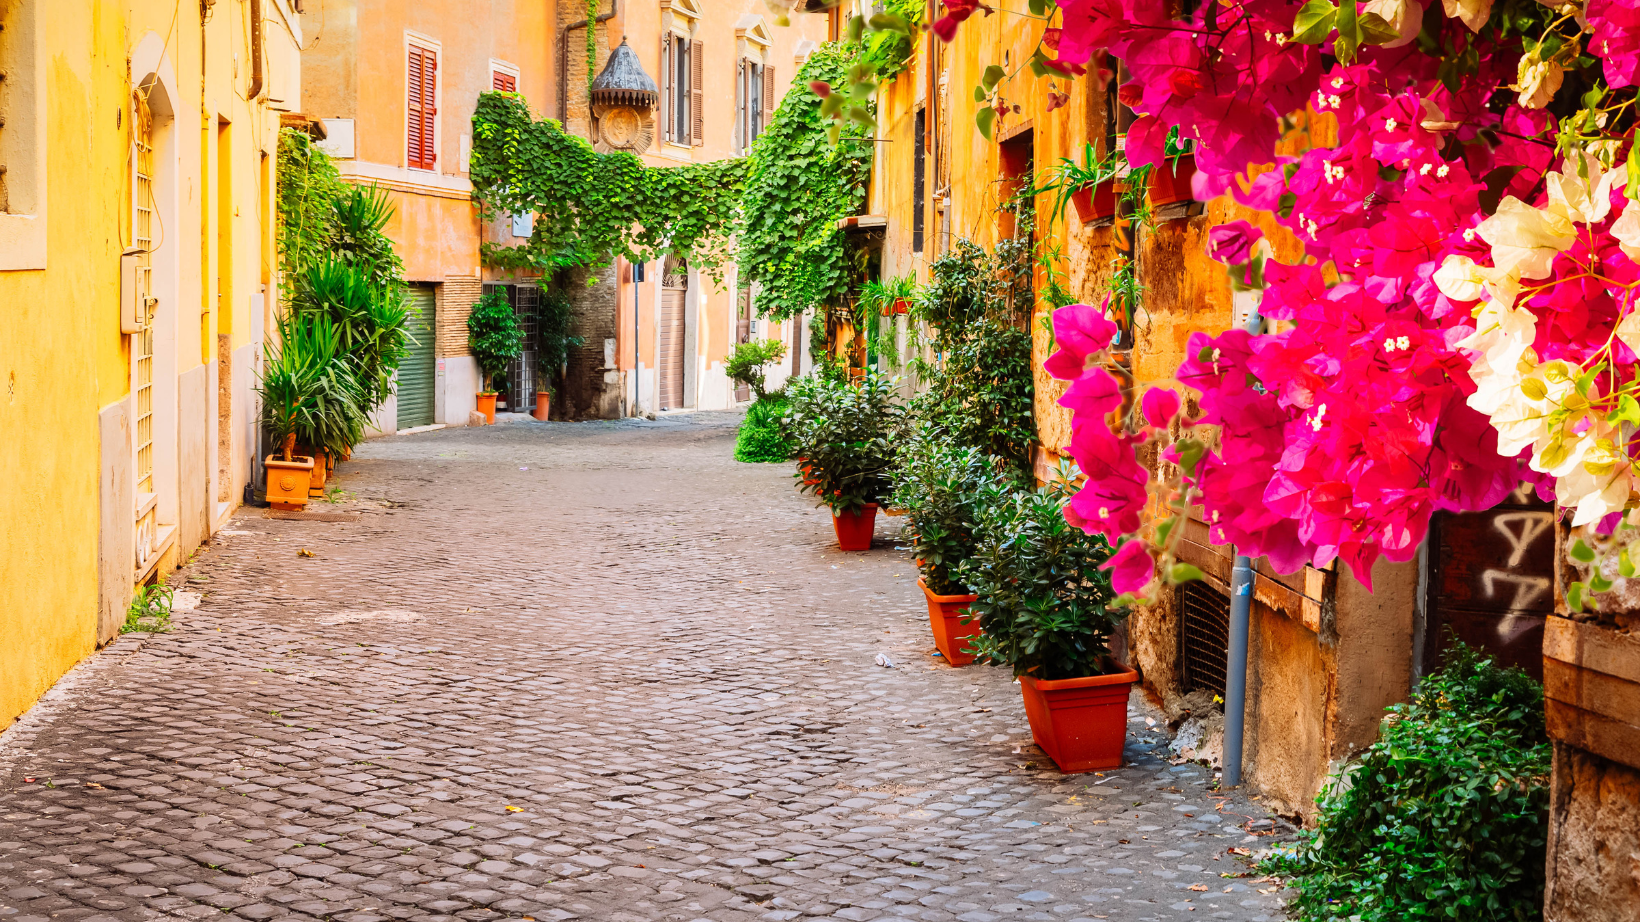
point(506, 83)
point(742, 89)
point(697, 94)
point(429, 109)
point(414, 120)
point(666, 88)
point(768, 94)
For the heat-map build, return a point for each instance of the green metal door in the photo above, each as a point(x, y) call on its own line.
point(416, 372)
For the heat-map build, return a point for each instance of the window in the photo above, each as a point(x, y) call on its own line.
point(506, 83)
point(754, 102)
point(919, 179)
point(142, 341)
point(22, 137)
point(421, 123)
point(682, 61)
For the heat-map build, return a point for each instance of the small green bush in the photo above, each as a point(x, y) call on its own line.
point(844, 432)
point(1042, 597)
point(762, 437)
point(747, 363)
point(149, 611)
point(942, 486)
point(494, 336)
point(1445, 817)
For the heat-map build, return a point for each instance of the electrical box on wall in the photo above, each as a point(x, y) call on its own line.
point(132, 313)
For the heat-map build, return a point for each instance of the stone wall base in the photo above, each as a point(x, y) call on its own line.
point(1594, 840)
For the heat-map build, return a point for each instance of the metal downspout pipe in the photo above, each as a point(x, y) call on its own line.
point(1235, 680)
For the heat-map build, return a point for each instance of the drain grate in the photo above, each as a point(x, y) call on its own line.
point(1204, 637)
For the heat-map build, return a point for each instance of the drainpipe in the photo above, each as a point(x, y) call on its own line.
point(563, 57)
point(1235, 680)
point(256, 50)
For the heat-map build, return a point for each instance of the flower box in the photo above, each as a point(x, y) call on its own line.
point(1170, 180)
point(1097, 202)
point(1080, 723)
point(945, 617)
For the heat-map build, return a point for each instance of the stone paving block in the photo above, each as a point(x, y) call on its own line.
point(595, 671)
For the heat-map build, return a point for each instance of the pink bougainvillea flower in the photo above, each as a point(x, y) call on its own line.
point(1160, 405)
point(1081, 331)
point(1232, 243)
point(1131, 567)
point(956, 13)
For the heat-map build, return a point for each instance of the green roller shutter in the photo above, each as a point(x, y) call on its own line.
point(416, 372)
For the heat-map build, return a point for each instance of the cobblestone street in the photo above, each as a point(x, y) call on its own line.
point(596, 671)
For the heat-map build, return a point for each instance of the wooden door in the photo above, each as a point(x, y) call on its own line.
point(743, 334)
point(670, 359)
point(416, 372)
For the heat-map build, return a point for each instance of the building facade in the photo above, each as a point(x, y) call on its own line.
point(136, 259)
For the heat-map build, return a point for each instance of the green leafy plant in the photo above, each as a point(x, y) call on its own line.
point(369, 319)
point(149, 611)
point(983, 393)
point(942, 486)
point(555, 317)
point(1043, 601)
point(1445, 816)
point(844, 436)
point(589, 206)
point(888, 49)
point(762, 436)
point(799, 185)
point(309, 187)
point(747, 362)
point(310, 388)
point(493, 336)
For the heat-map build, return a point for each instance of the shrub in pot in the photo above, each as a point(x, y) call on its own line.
point(554, 319)
point(495, 339)
point(1043, 601)
point(942, 486)
point(369, 321)
point(844, 435)
point(310, 395)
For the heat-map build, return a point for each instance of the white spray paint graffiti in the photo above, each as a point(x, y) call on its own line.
point(1521, 529)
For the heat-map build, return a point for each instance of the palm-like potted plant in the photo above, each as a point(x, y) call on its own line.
point(1092, 185)
point(942, 486)
point(495, 339)
point(555, 318)
point(1045, 606)
point(310, 395)
point(845, 434)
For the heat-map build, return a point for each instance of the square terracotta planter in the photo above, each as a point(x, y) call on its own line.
point(945, 615)
point(1080, 723)
point(1170, 182)
point(1591, 686)
point(289, 481)
point(1095, 203)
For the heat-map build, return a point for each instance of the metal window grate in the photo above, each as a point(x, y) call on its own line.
point(1204, 637)
point(142, 342)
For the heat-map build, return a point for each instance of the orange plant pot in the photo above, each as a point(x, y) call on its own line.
point(288, 481)
point(486, 405)
point(1095, 203)
point(854, 529)
point(321, 473)
point(945, 614)
point(1170, 183)
point(543, 406)
point(1080, 723)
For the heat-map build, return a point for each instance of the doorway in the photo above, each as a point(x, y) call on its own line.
point(515, 391)
point(670, 360)
point(417, 372)
point(743, 334)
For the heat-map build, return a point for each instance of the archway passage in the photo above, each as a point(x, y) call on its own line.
point(673, 321)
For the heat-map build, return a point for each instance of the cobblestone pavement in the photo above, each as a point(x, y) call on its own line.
point(595, 671)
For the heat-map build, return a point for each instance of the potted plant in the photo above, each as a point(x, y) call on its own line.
point(310, 394)
point(1092, 186)
point(844, 434)
point(1044, 603)
point(495, 339)
point(942, 486)
point(1170, 181)
point(554, 318)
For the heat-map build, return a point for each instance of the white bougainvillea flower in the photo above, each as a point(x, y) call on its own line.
point(1627, 230)
point(1537, 81)
point(1628, 330)
point(1460, 279)
point(1582, 196)
point(1474, 13)
point(1600, 483)
point(1406, 17)
point(1525, 240)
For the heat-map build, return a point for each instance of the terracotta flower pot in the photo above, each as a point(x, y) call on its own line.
point(288, 481)
point(1170, 182)
point(1095, 203)
point(945, 614)
point(1080, 723)
point(543, 405)
point(486, 405)
point(854, 528)
point(902, 306)
point(321, 473)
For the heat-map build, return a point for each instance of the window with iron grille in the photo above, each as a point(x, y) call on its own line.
point(1204, 637)
point(142, 342)
point(919, 181)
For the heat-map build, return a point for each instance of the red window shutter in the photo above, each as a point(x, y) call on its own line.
point(414, 120)
point(429, 109)
point(506, 83)
point(697, 93)
point(768, 95)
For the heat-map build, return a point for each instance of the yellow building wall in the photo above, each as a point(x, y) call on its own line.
point(53, 370)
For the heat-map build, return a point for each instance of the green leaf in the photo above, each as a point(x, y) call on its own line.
point(992, 76)
point(1625, 565)
point(1038, 7)
point(1349, 32)
point(1183, 573)
point(1375, 30)
point(1314, 22)
point(979, 94)
point(888, 22)
point(1574, 596)
point(1599, 583)
point(986, 119)
point(1627, 411)
point(1632, 189)
point(1534, 389)
point(856, 28)
point(1582, 552)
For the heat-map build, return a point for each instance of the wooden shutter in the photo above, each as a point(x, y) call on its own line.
point(506, 83)
point(666, 88)
point(768, 95)
point(422, 93)
point(742, 91)
point(697, 94)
